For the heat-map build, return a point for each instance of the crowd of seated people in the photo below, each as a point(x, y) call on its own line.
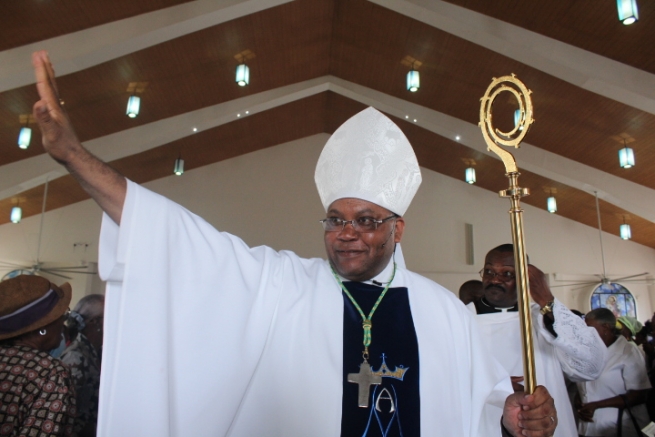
point(615, 403)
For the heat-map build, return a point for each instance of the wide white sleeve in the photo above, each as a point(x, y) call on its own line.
point(579, 349)
point(463, 387)
point(491, 383)
point(188, 310)
point(634, 372)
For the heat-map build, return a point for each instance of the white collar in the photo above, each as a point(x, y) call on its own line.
point(381, 279)
point(503, 309)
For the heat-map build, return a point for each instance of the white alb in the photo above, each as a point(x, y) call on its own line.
point(577, 351)
point(207, 337)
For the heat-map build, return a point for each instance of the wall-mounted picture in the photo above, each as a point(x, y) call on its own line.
point(616, 298)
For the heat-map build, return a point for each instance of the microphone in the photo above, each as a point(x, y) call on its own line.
point(385, 243)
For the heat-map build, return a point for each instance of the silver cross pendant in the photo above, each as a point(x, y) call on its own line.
point(365, 378)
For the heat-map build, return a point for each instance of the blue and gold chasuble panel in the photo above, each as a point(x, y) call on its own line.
point(394, 406)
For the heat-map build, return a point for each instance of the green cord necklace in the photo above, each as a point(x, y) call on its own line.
point(365, 378)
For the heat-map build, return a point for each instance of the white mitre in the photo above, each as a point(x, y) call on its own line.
point(368, 158)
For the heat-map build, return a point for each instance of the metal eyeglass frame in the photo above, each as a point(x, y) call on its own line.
point(500, 275)
point(355, 225)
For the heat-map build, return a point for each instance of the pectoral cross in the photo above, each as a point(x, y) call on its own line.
point(364, 379)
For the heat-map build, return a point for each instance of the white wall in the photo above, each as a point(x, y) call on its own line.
point(66, 234)
point(558, 246)
point(268, 197)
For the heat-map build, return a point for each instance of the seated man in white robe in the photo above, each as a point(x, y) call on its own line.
point(205, 336)
point(563, 343)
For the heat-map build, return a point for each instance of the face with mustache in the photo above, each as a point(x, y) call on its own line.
point(498, 279)
point(360, 256)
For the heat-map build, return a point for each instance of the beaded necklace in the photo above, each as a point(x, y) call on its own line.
point(365, 378)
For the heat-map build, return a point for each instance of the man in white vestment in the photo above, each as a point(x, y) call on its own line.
point(205, 336)
point(563, 343)
point(622, 386)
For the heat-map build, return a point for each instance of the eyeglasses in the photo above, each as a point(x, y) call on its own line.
point(502, 276)
point(362, 224)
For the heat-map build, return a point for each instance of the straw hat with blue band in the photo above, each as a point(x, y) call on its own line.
point(29, 302)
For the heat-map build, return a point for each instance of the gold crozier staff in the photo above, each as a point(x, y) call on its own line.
point(495, 138)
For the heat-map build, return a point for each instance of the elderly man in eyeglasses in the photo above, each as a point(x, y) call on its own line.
point(563, 343)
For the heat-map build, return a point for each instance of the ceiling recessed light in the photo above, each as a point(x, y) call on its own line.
point(414, 120)
point(238, 115)
point(457, 137)
point(407, 116)
point(195, 129)
point(247, 112)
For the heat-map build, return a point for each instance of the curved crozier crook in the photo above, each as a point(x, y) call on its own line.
point(496, 138)
point(504, 155)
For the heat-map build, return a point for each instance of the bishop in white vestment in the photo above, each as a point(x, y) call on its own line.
point(205, 336)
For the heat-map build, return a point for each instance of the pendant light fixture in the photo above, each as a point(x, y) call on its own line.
point(25, 134)
point(133, 104)
point(551, 202)
point(628, 12)
point(24, 137)
point(626, 156)
point(178, 169)
point(243, 75)
point(16, 213)
point(470, 175)
point(413, 80)
point(625, 231)
point(552, 205)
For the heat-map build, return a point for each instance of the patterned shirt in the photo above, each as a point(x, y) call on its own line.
point(84, 363)
point(37, 398)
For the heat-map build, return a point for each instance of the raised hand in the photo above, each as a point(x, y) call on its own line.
point(539, 289)
point(58, 136)
point(105, 185)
